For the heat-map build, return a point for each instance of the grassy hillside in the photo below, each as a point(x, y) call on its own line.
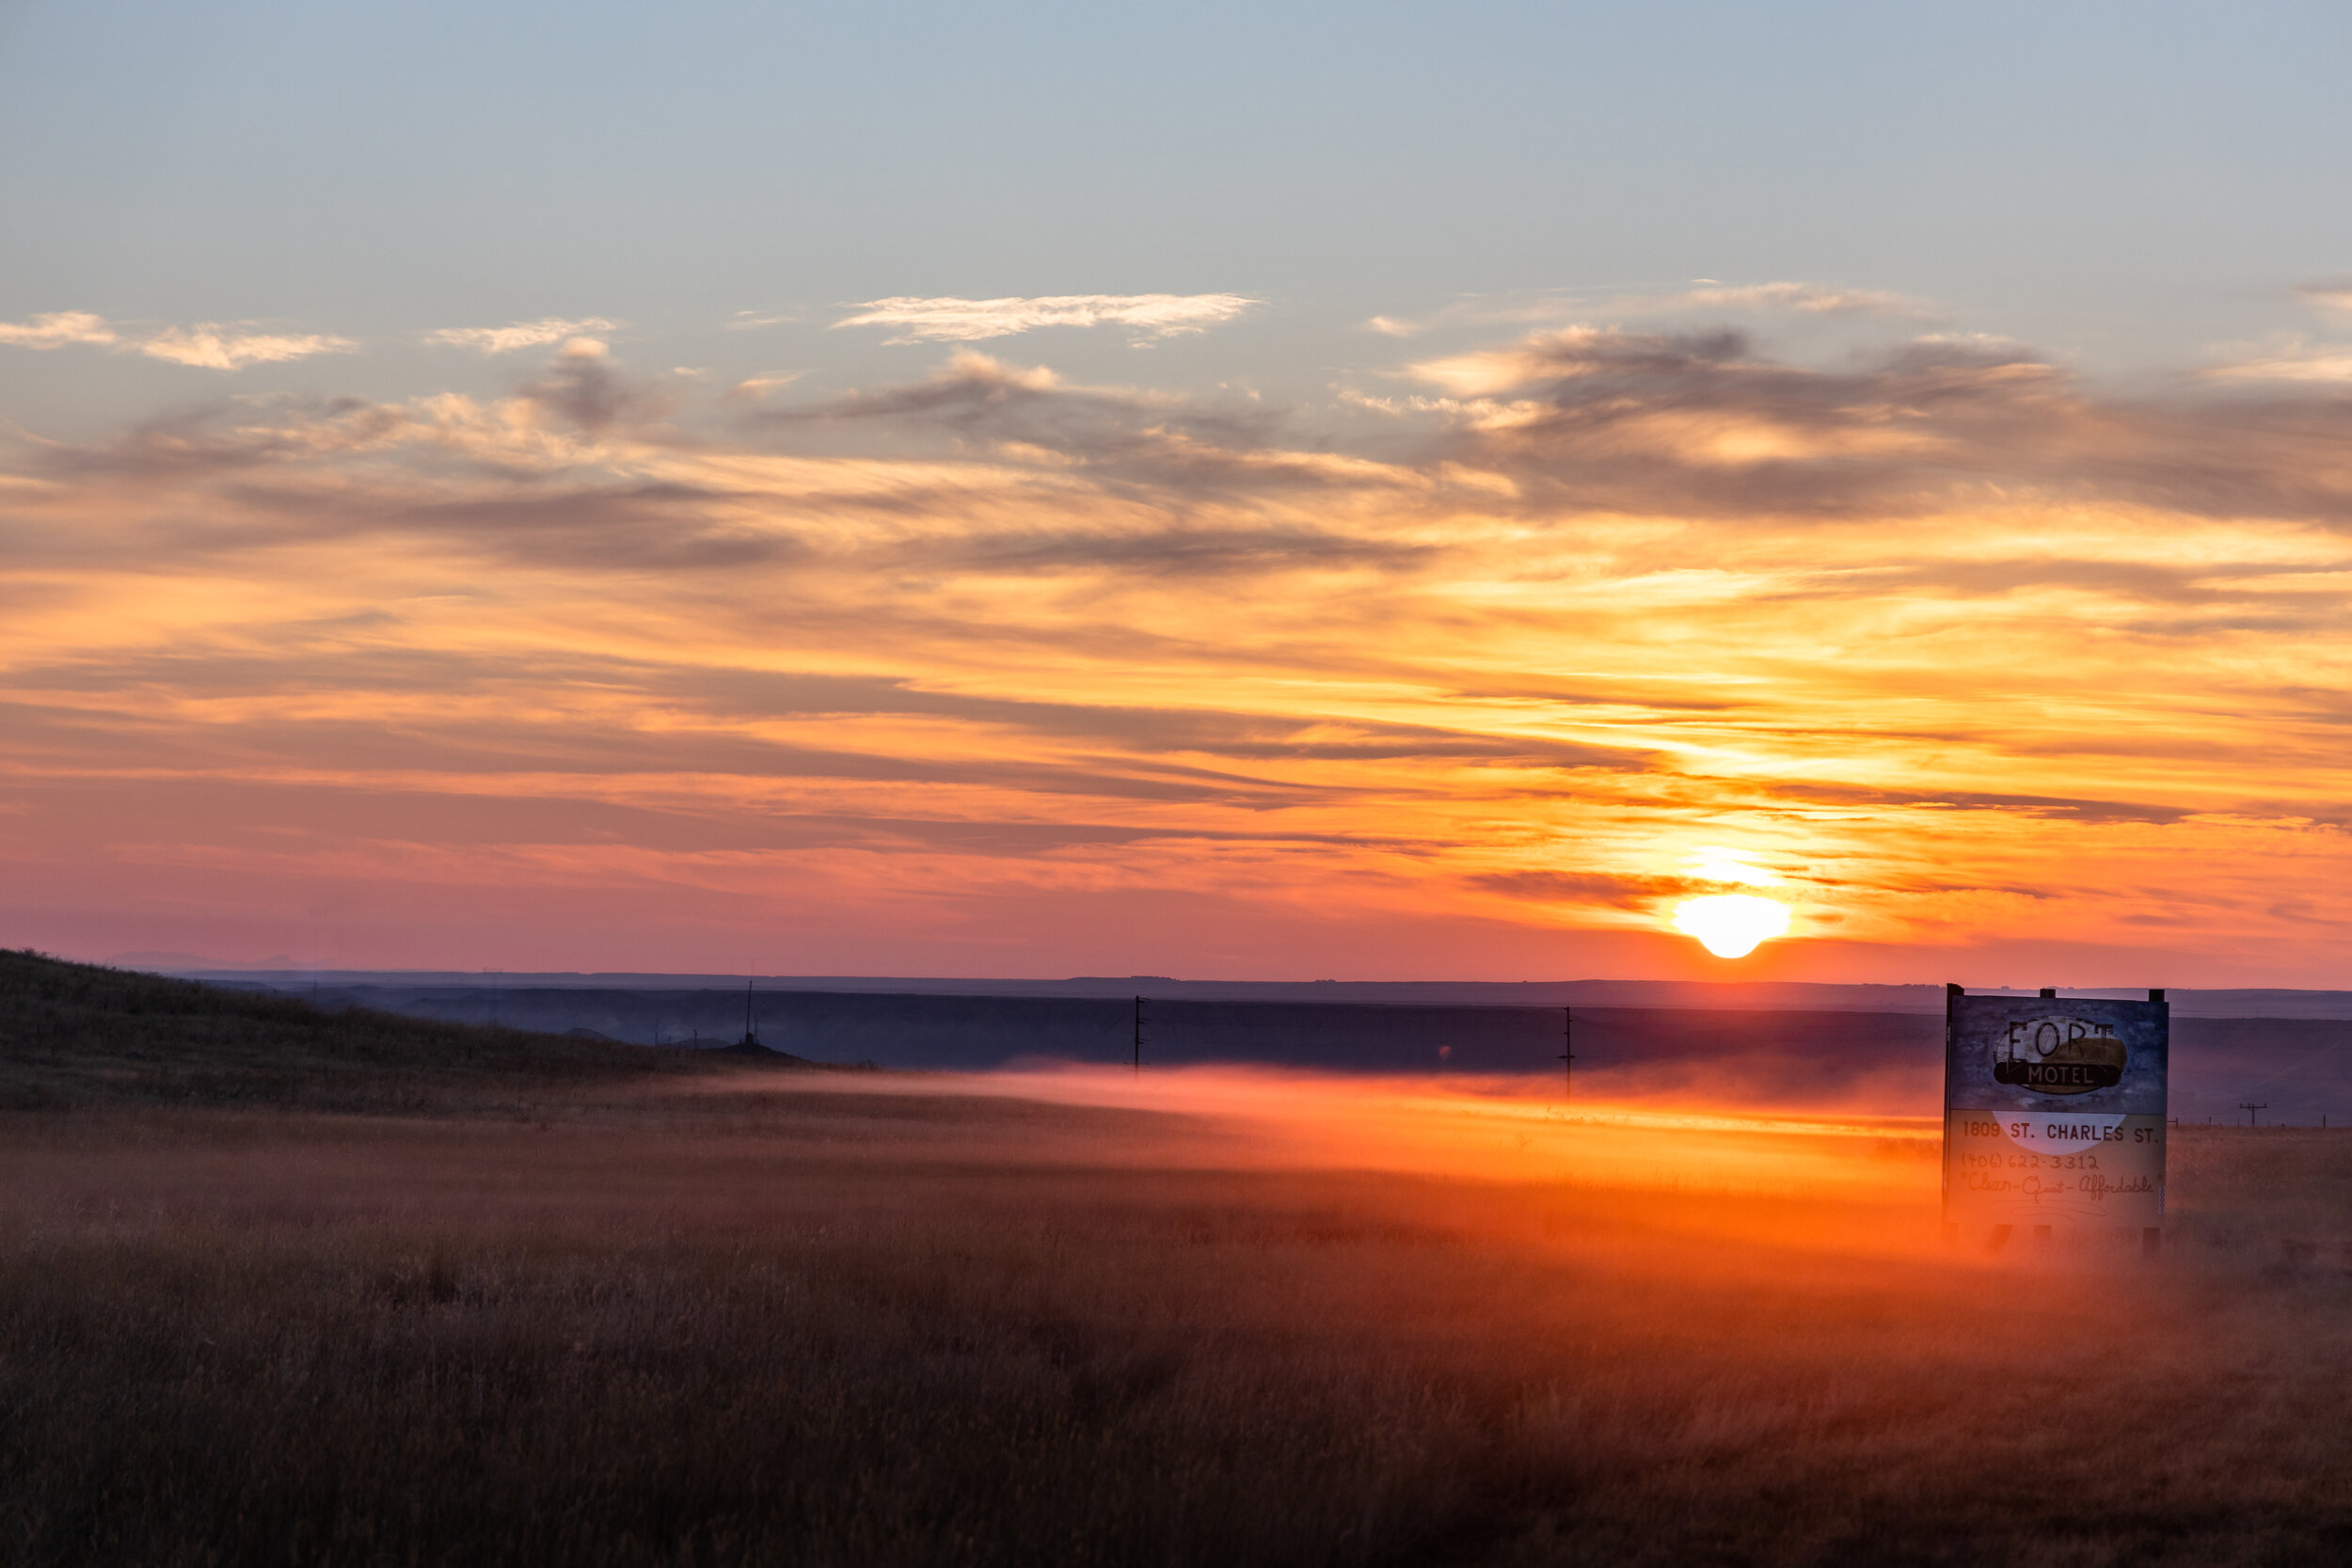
point(80, 1034)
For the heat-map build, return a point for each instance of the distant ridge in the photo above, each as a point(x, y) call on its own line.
point(385, 1045)
point(1730, 996)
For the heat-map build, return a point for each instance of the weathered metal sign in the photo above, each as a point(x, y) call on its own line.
point(2054, 1113)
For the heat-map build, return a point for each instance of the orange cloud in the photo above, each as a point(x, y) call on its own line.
point(993, 673)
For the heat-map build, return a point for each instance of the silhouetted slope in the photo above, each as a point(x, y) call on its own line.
point(75, 1033)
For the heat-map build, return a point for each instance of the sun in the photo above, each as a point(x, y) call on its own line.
point(1729, 925)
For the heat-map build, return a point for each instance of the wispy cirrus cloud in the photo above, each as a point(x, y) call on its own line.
point(1148, 317)
point(519, 335)
point(1812, 299)
point(1570, 305)
point(2332, 295)
point(209, 345)
point(2288, 360)
point(752, 387)
point(58, 328)
point(214, 346)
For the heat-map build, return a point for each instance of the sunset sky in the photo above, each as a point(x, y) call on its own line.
point(1259, 492)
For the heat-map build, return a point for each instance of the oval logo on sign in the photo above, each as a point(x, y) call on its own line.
point(2059, 1055)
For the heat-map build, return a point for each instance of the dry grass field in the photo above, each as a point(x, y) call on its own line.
point(538, 1308)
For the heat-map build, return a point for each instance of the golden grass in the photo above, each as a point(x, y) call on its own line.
point(849, 1328)
point(530, 1302)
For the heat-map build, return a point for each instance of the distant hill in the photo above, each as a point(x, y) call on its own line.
point(80, 1034)
point(2300, 1068)
point(1690, 995)
point(333, 1041)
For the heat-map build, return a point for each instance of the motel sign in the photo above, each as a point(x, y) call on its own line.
point(2054, 1116)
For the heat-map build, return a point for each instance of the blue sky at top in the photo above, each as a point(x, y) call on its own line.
point(2123, 185)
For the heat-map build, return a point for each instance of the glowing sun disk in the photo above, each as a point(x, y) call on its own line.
point(1730, 925)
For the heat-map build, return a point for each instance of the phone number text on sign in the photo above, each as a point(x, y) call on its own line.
point(2008, 1168)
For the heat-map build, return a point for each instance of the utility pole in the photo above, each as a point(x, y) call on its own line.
point(1567, 1053)
point(2251, 1110)
point(1138, 1037)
